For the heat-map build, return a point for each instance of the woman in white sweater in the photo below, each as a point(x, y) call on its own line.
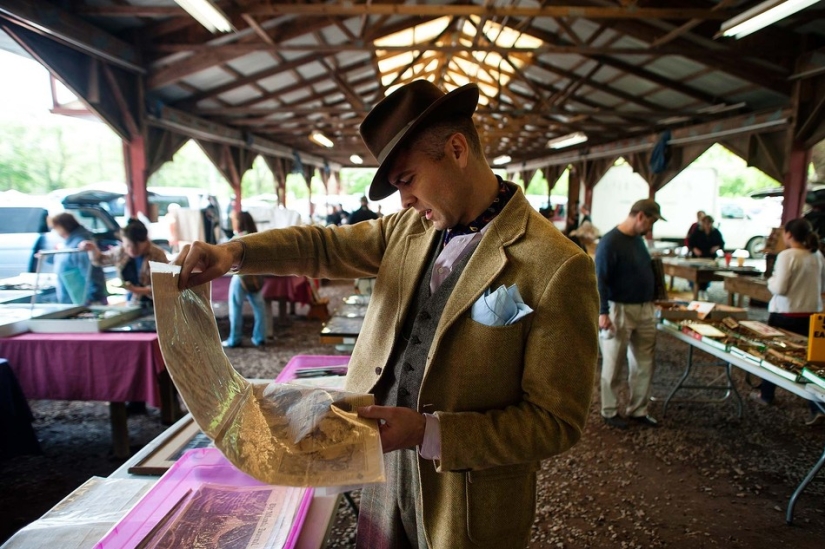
point(797, 284)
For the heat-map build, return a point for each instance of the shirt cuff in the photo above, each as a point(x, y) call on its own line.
point(431, 446)
point(237, 266)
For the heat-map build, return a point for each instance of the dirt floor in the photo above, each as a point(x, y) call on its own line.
point(703, 479)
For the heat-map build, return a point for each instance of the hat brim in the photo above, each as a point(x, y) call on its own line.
point(461, 100)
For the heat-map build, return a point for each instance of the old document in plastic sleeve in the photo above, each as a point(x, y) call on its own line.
point(284, 434)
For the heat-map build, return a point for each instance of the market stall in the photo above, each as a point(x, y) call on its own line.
point(773, 355)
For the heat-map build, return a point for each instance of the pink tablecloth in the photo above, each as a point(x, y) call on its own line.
point(110, 367)
point(294, 289)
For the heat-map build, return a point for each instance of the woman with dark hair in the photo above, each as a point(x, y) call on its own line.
point(75, 269)
point(245, 287)
point(131, 260)
point(797, 283)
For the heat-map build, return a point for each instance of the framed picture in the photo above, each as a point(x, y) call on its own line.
point(185, 437)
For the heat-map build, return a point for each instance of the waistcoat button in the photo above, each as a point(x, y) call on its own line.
point(378, 371)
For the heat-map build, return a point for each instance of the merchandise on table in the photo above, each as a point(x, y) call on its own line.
point(84, 320)
point(814, 374)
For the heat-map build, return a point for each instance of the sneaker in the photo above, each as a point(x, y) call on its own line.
point(616, 421)
point(756, 396)
point(229, 344)
point(647, 421)
point(815, 418)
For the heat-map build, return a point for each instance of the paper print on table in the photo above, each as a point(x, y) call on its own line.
point(761, 329)
point(248, 517)
point(284, 434)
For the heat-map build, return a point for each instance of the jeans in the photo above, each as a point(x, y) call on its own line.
point(236, 298)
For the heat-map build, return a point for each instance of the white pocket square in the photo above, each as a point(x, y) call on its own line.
point(502, 307)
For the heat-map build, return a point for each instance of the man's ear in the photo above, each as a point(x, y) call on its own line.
point(458, 148)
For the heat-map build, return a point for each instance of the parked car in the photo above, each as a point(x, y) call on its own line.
point(24, 231)
point(745, 223)
point(161, 201)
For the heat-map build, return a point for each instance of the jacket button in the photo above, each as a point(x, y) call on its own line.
point(415, 340)
point(424, 315)
point(408, 367)
point(378, 371)
point(403, 392)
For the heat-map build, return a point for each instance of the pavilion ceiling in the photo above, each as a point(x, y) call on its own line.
point(612, 70)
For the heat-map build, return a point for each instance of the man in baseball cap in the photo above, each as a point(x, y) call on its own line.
point(627, 317)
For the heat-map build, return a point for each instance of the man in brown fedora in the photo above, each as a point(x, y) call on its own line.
point(480, 341)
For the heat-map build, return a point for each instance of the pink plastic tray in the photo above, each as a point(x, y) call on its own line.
point(309, 361)
point(193, 468)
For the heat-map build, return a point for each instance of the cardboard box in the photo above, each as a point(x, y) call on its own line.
point(666, 310)
point(14, 319)
point(706, 310)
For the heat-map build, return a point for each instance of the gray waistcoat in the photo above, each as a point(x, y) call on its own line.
point(401, 380)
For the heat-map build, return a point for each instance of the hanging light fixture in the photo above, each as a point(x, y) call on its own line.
point(355, 159)
point(207, 14)
point(503, 159)
point(320, 139)
point(762, 15)
point(567, 140)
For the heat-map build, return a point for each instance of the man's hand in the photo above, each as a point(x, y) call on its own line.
point(201, 262)
point(604, 322)
point(400, 427)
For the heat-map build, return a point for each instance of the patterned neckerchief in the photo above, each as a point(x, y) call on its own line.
point(505, 193)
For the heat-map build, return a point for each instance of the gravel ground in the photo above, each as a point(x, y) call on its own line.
point(703, 479)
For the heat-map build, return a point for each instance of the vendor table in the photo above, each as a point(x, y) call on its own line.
point(752, 286)
point(109, 367)
point(313, 534)
point(806, 391)
point(701, 271)
point(344, 326)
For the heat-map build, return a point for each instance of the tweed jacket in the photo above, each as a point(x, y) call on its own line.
point(506, 397)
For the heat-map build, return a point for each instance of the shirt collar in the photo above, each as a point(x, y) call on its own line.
point(505, 193)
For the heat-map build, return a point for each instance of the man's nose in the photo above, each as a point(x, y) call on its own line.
point(407, 199)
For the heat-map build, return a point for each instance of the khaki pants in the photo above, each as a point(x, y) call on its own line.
point(635, 337)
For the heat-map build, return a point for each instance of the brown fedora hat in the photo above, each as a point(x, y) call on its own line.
point(391, 122)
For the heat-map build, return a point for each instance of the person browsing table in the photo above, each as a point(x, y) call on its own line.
point(627, 315)
point(75, 269)
point(245, 287)
point(131, 260)
point(479, 343)
point(797, 284)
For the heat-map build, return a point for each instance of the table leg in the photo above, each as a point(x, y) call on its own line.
point(282, 312)
point(682, 379)
point(808, 478)
point(695, 289)
point(731, 299)
point(170, 410)
point(732, 390)
point(120, 430)
point(729, 388)
point(270, 329)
